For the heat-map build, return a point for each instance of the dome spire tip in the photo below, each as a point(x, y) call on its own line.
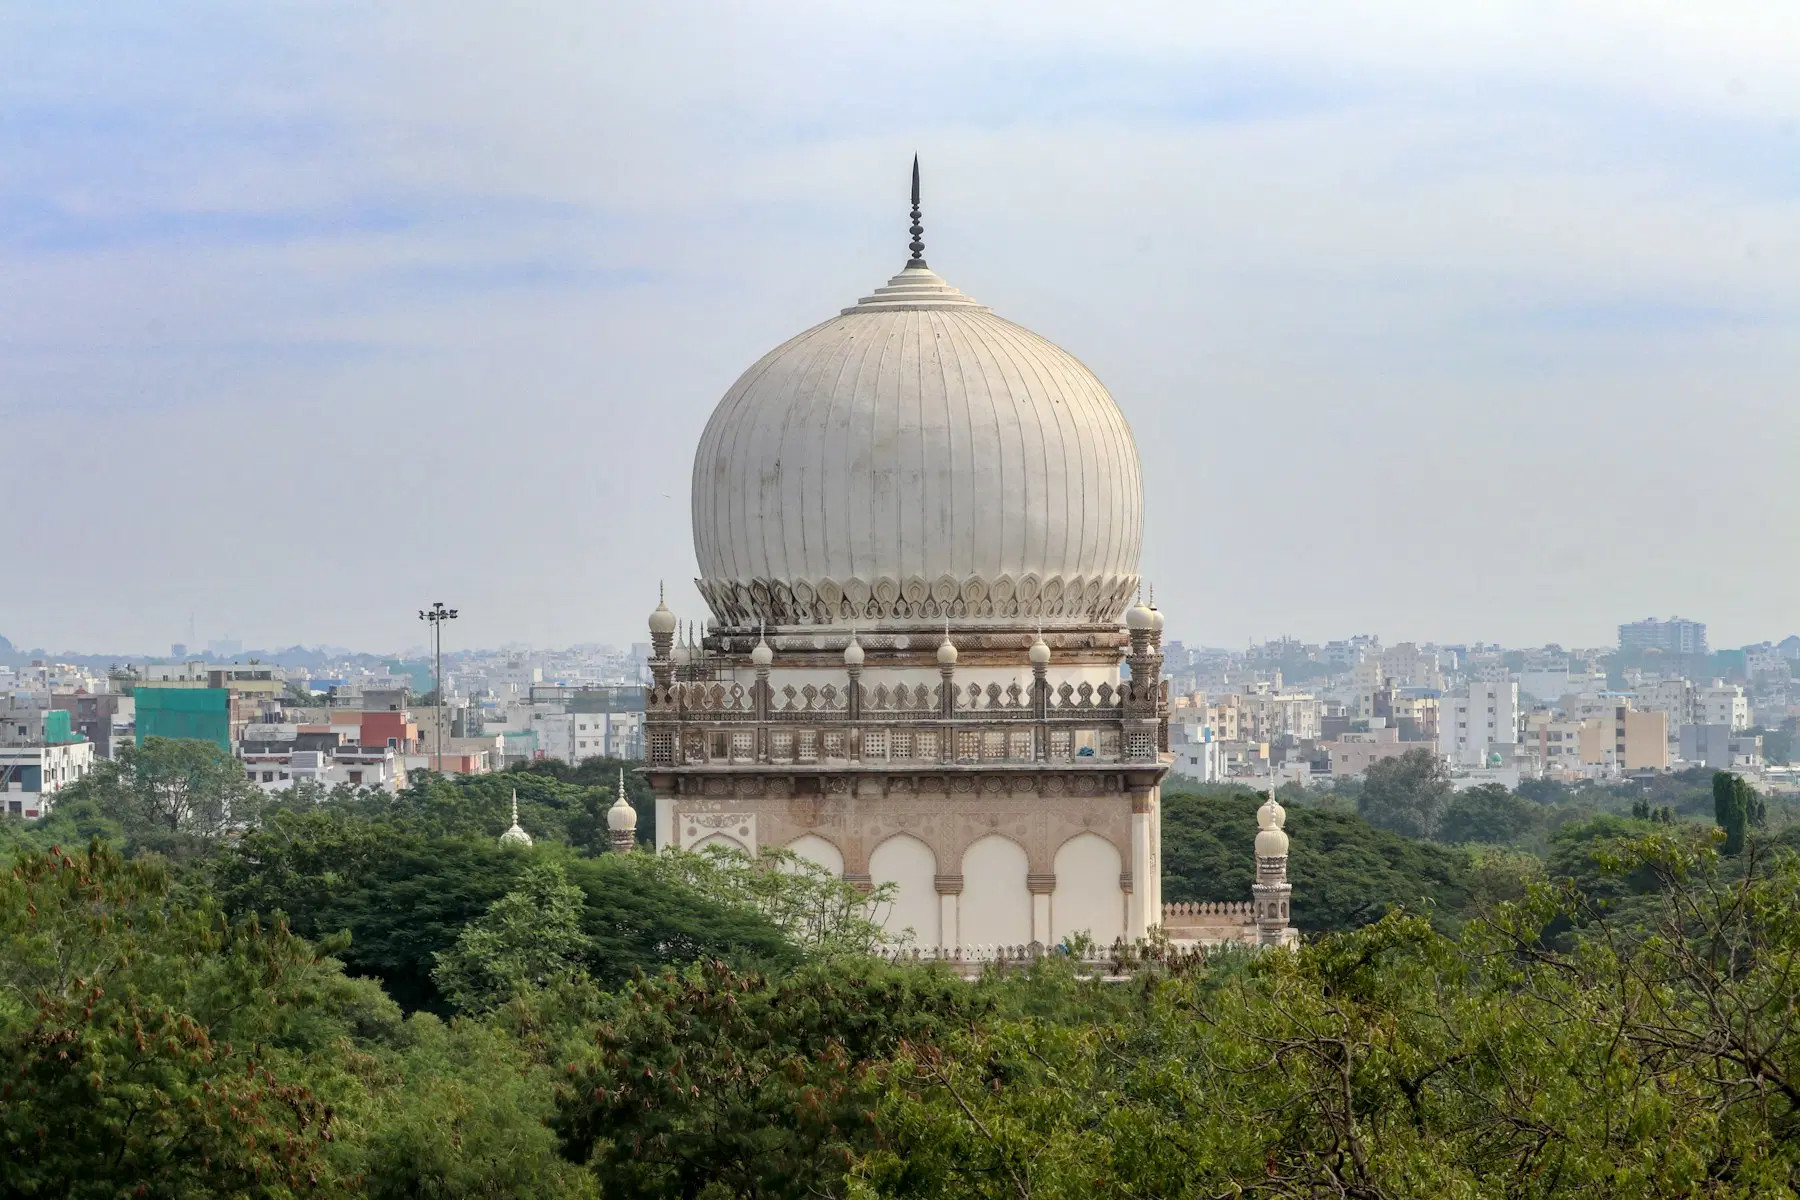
point(918, 231)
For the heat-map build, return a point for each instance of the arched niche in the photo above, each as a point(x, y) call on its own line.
point(909, 864)
point(723, 841)
point(995, 906)
point(1087, 896)
point(814, 848)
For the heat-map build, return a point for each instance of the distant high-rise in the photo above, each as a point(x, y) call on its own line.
point(1677, 635)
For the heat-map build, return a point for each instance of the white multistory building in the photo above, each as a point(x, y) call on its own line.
point(1721, 703)
point(1476, 721)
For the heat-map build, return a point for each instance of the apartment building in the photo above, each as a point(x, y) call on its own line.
point(1474, 722)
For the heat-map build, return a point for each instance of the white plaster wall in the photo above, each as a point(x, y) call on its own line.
point(817, 849)
point(906, 861)
point(1087, 896)
point(723, 841)
point(995, 907)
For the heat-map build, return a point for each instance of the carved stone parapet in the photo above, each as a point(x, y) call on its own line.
point(827, 601)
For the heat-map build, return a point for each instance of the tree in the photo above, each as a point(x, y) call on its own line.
point(404, 897)
point(1394, 1061)
point(401, 896)
point(1405, 794)
point(1352, 873)
point(528, 938)
point(1488, 813)
point(150, 1048)
point(178, 796)
point(814, 908)
point(719, 1084)
point(1543, 791)
point(1731, 808)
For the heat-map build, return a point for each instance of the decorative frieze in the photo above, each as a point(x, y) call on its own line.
point(1098, 600)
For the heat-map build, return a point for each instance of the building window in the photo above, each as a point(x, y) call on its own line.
point(356, 776)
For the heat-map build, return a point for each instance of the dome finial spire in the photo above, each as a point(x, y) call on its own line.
point(918, 230)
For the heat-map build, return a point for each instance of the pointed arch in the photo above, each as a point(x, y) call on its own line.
point(995, 908)
point(1088, 898)
point(911, 866)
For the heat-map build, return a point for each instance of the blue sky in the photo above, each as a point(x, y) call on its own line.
point(1433, 321)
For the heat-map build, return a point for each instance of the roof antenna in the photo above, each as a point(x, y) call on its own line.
point(918, 230)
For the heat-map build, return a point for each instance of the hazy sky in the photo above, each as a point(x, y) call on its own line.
point(1439, 321)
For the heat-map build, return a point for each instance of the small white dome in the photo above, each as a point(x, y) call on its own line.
point(853, 653)
point(1271, 843)
point(621, 817)
point(761, 656)
point(1271, 815)
point(1137, 617)
point(662, 620)
point(1040, 652)
point(1157, 619)
point(515, 834)
point(947, 653)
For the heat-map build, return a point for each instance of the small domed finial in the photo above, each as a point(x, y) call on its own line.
point(918, 231)
point(515, 834)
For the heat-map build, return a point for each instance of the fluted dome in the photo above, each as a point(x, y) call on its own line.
point(914, 458)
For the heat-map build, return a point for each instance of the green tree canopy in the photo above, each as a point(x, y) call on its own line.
point(1405, 794)
point(715, 1083)
point(152, 1048)
point(528, 938)
point(1489, 813)
point(1346, 872)
point(177, 796)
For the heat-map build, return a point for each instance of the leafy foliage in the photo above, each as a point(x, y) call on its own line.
point(1406, 794)
point(528, 938)
point(1346, 872)
point(177, 796)
point(150, 1048)
point(812, 907)
point(715, 1083)
point(1489, 813)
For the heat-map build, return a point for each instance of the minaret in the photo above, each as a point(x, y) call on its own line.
point(1271, 889)
point(662, 642)
point(621, 820)
point(515, 834)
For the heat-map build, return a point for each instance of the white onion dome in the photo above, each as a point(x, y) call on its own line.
point(1139, 618)
point(761, 655)
point(853, 653)
point(621, 817)
point(1156, 619)
point(515, 834)
point(1271, 842)
point(662, 620)
point(946, 653)
point(1040, 652)
point(912, 459)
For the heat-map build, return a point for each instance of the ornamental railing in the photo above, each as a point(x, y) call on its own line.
point(877, 742)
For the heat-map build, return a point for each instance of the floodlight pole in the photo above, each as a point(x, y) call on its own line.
point(437, 614)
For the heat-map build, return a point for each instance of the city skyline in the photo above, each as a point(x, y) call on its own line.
point(1416, 330)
